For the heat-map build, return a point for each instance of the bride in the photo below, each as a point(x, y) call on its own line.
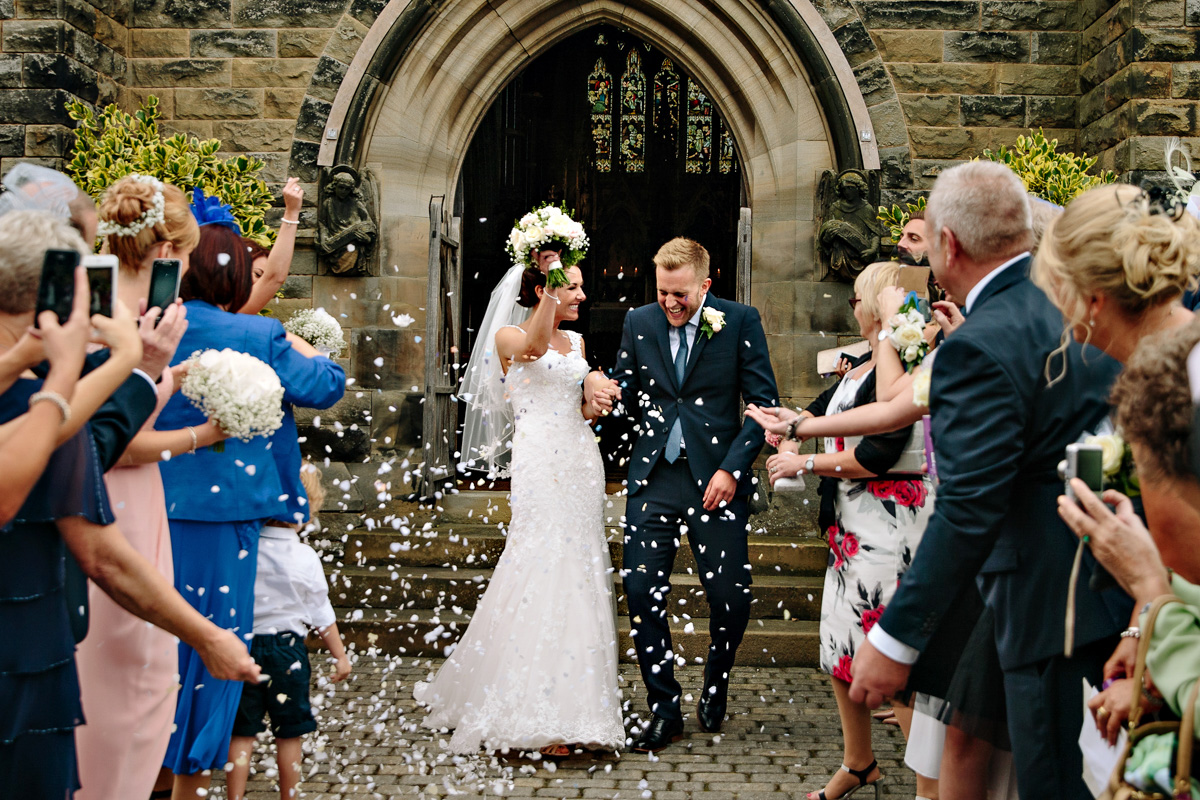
point(537, 666)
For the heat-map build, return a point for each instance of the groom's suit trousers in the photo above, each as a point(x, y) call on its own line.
point(656, 518)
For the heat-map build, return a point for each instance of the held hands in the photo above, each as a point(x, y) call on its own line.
point(1119, 541)
point(601, 392)
point(785, 465)
point(772, 420)
point(720, 490)
point(226, 657)
point(876, 676)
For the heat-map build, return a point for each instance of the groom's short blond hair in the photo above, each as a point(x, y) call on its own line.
point(681, 252)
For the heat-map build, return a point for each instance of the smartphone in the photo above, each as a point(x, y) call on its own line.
point(1086, 462)
point(56, 292)
point(164, 283)
point(102, 283)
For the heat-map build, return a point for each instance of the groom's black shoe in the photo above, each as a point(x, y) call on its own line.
point(710, 711)
point(657, 734)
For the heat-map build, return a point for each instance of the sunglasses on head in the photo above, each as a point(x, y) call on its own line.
point(854, 301)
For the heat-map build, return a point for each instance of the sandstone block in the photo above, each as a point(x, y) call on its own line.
point(112, 34)
point(200, 128)
point(188, 14)
point(873, 82)
point(79, 14)
point(304, 262)
point(219, 104)
point(1166, 44)
point(346, 39)
point(1164, 118)
point(304, 160)
point(908, 45)
point(304, 43)
point(35, 107)
point(954, 15)
point(287, 13)
point(34, 36)
point(366, 11)
point(1149, 80)
point(835, 12)
point(944, 142)
point(297, 286)
point(1109, 27)
point(294, 72)
point(1159, 12)
point(991, 110)
point(1185, 81)
point(327, 78)
point(310, 124)
point(166, 99)
point(1024, 15)
point(50, 71)
point(253, 135)
point(895, 165)
point(1036, 79)
point(13, 139)
point(935, 110)
point(944, 78)
point(1055, 48)
point(188, 72)
point(986, 46)
point(1058, 112)
point(275, 164)
point(855, 42)
point(888, 121)
point(10, 71)
point(159, 43)
point(234, 43)
point(37, 9)
point(1107, 62)
point(1192, 12)
point(280, 103)
point(926, 171)
point(48, 141)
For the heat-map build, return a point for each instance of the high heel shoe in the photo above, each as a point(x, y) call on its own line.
point(861, 774)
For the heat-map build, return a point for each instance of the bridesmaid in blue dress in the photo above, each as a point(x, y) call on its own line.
point(217, 502)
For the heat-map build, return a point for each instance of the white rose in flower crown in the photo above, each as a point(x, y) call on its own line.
point(550, 211)
point(534, 235)
point(1112, 449)
point(529, 219)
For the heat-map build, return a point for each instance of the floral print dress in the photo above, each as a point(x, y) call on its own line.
point(878, 526)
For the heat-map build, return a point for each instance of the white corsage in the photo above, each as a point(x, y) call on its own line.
point(907, 333)
point(540, 226)
point(711, 321)
point(153, 215)
point(237, 391)
point(317, 327)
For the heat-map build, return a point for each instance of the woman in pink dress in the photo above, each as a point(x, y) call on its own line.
point(128, 669)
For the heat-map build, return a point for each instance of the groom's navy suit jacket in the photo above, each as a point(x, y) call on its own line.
point(999, 431)
point(721, 371)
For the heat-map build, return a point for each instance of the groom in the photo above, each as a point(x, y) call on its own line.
point(684, 365)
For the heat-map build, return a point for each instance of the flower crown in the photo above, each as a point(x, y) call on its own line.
point(148, 219)
point(211, 211)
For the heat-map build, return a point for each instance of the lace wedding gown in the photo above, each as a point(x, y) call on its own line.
point(538, 663)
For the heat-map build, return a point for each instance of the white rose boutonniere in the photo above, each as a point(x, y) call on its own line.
point(711, 321)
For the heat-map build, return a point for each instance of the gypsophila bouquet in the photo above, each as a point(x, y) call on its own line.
point(906, 330)
point(237, 391)
point(1120, 473)
point(317, 327)
point(545, 224)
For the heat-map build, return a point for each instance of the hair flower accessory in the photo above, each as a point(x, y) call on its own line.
point(211, 211)
point(149, 218)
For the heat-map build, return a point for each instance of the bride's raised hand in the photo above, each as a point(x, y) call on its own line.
point(772, 420)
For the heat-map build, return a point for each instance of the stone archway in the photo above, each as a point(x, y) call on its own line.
point(426, 73)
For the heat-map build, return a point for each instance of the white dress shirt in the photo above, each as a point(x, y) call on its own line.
point(690, 327)
point(880, 639)
point(290, 591)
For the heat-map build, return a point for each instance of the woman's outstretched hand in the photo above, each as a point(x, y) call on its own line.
point(772, 420)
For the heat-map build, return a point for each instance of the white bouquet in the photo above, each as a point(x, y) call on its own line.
point(235, 390)
point(906, 330)
point(540, 226)
point(317, 327)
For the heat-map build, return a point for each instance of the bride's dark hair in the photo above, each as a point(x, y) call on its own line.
point(531, 278)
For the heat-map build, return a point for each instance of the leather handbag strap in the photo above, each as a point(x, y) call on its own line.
point(1187, 737)
point(1139, 669)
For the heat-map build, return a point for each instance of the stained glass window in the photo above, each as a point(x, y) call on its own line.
point(699, 139)
point(633, 114)
point(726, 162)
point(600, 98)
point(666, 101)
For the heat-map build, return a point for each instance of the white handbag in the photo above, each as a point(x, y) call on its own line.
point(912, 460)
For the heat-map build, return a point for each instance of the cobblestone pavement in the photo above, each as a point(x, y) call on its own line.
point(781, 741)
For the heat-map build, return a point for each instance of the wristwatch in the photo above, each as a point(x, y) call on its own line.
point(808, 465)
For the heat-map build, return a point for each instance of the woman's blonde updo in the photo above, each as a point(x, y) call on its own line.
point(127, 200)
point(1108, 241)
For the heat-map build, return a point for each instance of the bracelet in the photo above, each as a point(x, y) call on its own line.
point(790, 433)
point(192, 431)
point(1131, 633)
point(64, 407)
point(289, 221)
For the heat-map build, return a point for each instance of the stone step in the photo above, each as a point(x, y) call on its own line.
point(492, 506)
point(453, 588)
point(768, 642)
point(467, 544)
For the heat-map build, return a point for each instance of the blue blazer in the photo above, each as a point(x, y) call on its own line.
point(731, 366)
point(219, 487)
point(999, 431)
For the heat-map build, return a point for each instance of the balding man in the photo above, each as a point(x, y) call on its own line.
point(1000, 428)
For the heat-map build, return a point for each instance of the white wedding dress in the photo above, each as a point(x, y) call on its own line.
point(538, 663)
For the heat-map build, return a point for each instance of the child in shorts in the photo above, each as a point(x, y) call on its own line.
point(291, 596)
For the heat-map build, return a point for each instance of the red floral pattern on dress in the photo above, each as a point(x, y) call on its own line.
point(842, 670)
point(849, 545)
point(909, 494)
point(834, 546)
point(870, 616)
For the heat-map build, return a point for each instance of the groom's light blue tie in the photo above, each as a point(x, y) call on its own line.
point(675, 437)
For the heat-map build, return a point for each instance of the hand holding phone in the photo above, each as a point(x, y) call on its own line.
point(102, 283)
point(165, 277)
point(56, 291)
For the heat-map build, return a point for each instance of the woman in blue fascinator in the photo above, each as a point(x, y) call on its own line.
point(218, 502)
